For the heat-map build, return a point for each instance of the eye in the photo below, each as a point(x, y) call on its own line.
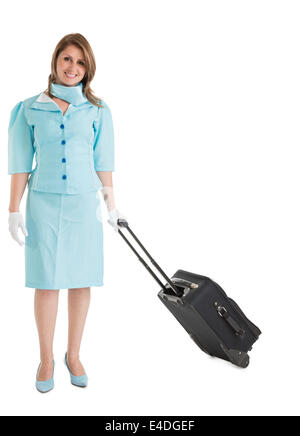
point(82, 63)
point(66, 58)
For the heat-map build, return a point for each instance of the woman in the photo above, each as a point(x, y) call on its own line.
point(70, 133)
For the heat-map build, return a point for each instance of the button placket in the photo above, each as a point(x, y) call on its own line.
point(63, 142)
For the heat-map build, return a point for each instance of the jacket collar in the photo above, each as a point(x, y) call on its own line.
point(45, 103)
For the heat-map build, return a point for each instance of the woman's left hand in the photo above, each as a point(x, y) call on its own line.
point(114, 215)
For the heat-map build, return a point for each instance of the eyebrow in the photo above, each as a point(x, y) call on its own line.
point(66, 54)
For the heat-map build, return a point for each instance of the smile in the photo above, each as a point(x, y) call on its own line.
point(71, 76)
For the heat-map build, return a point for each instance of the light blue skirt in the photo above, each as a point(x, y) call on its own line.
point(64, 246)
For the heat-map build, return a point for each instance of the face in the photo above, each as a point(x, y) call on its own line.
point(70, 66)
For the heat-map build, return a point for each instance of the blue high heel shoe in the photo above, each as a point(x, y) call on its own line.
point(77, 380)
point(44, 386)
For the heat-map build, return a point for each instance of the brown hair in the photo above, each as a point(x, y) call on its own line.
point(79, 41)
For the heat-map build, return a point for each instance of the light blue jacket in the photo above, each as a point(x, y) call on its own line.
point(68, 148)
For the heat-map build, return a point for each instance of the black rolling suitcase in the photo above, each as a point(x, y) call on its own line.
point(212, 319)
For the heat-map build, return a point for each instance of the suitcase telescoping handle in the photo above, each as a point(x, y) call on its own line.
point(124, 223)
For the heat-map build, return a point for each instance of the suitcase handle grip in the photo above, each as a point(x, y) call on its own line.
point(233, 324)
point(123, 223)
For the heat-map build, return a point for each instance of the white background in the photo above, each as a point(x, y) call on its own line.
point(205, 101)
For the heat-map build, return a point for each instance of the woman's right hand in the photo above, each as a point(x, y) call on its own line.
point(15, 220)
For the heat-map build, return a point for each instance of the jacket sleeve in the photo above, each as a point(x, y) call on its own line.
point(103, 150)
point(20, 142)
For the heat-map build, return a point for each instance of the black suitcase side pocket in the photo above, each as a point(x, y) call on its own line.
point(255, 330)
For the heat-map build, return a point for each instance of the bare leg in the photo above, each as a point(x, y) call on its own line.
point(78, 306)
point(45, 309)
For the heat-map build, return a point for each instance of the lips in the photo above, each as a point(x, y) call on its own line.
point(70, 76)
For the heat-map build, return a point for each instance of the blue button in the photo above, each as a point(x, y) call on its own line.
point(62, 126)
point(63, 142)
point(63, 160)
point(64, 177)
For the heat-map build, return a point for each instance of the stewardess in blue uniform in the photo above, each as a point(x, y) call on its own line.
point(69, 132)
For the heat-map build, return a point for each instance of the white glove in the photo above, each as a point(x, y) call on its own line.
point(114, 215)
point(15, 220)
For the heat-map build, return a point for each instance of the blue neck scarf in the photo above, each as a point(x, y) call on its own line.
point(71, 94)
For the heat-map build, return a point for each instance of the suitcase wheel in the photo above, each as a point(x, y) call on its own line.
point(238, 358)
point(245, 362)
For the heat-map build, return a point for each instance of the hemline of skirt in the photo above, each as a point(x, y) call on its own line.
point(52, 288)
